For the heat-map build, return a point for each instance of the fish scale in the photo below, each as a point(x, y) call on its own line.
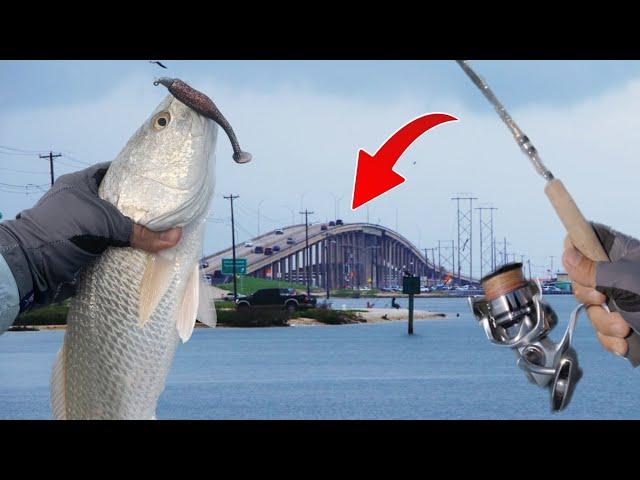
point(115, 367)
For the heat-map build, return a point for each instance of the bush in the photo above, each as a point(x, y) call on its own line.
point(263, 317)
point(49, 315)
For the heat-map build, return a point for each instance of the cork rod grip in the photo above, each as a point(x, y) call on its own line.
point(580, 231)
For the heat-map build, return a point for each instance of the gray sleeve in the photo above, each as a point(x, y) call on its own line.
point(9, 300)
point(619, 279)
point(47, 245)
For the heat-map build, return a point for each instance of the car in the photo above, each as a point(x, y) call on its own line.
point(258, 249)
point(287, 298)
point(204, 264)
point(332, 223)
point(279, 231)
point(276, 248)
point(268, 251)
point(339, 222)
point(323, 226)
point(248, 244)
point(229, 296)
point(290, 241)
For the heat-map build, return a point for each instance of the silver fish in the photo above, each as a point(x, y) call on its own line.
point(132, 308)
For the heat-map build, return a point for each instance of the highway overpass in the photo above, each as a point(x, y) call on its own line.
point(349, 255)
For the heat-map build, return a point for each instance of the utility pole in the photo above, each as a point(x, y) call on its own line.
point(51, 156)
point(231, 198)
point(465, 229)
point(505, 260)
point(306, 214)
point(529, 265)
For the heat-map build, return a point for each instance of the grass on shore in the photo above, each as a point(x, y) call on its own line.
point(349, 293)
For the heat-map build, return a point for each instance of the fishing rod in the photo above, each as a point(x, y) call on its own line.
point(512, 311)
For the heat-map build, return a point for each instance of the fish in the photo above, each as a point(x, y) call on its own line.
point(132, 309)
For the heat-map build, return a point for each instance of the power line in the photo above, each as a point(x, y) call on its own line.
point(31, 152)
point(31, 172)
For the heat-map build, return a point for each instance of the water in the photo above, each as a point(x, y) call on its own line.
point(447, 370)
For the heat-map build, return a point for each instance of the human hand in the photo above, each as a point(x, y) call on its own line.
point(618, 281)
point(47, 245)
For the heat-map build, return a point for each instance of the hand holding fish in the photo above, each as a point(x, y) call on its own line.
point(47, 246)
point(618, 280)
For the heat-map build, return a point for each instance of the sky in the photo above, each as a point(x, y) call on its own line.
point(304, 122)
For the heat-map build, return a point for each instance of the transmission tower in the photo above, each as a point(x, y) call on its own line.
point(465, 234)
point(487, 250)
point(446, 258)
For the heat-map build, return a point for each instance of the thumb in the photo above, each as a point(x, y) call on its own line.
point(580, 269)
point(153, 242)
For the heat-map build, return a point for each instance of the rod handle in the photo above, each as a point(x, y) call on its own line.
point(579, 229)
point(585, 239)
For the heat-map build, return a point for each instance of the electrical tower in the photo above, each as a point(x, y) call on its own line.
point(446, 258)
point(431, 277)
point(465, 235)
point(487, 241)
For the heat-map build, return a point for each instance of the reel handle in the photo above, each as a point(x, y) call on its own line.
point(585, 239)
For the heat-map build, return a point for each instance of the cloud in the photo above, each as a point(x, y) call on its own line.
point(305, 142)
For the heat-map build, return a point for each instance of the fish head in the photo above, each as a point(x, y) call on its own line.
point(164, 176)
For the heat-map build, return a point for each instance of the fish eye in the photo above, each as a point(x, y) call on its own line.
point(161, 120)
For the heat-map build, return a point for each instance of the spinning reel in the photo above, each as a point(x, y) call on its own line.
point(513, 314)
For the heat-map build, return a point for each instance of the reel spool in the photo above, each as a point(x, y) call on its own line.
point(513, 314)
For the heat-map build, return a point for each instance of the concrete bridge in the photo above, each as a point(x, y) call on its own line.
point(349, 255)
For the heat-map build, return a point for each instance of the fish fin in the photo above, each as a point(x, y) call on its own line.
point(188, 311)
point(207, 306)
point(156, 280)
point(58, 385)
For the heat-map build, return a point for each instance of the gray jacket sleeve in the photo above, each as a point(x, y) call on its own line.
point(9, 299)
point(47, 245)
point(619, 279)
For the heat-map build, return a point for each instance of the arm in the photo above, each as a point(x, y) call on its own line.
point(9, 300)
point(617, 281)
point(43, 250)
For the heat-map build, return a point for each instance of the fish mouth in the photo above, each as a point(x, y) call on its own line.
point(202, 104)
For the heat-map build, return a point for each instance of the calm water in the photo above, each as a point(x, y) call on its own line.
point(447, 370)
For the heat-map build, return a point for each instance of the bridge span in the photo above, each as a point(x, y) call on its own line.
point(342, 256)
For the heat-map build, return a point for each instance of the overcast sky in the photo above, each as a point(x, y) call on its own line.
point(304, 122)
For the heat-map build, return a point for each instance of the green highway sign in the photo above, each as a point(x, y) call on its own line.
point(227, 266)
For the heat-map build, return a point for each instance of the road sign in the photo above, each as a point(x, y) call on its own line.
point(227, 266)
point(410, 285)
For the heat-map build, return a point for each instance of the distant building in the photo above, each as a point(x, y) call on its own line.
point(563, 282)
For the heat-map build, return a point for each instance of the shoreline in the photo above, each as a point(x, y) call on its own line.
point(370, 316)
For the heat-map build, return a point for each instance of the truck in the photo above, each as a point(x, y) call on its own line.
point(287, 298)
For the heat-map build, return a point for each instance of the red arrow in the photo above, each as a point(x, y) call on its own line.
point(374, 173)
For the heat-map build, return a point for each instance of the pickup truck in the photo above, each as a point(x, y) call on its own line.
point(287, 298)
